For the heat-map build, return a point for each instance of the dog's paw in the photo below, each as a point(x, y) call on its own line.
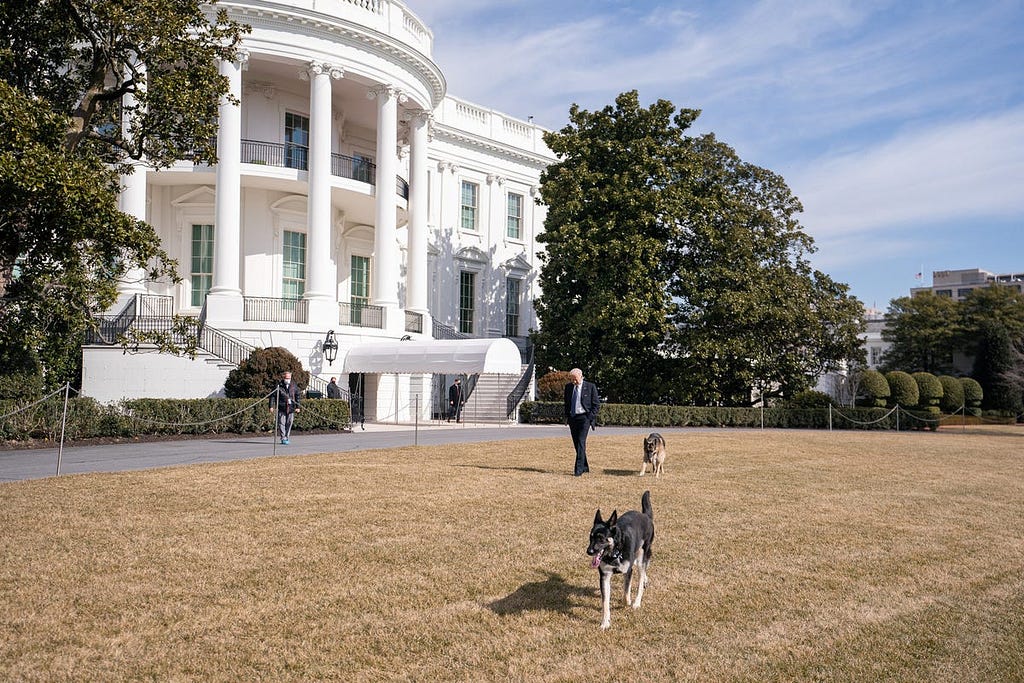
point(605, 625)
point(636, 605)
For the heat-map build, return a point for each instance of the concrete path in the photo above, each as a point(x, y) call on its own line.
point(18, 465)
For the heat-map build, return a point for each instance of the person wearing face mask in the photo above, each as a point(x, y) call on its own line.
point(285, 400)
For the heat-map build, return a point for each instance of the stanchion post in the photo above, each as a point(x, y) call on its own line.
point(897, 417)
point(63, 425)
point(416, 431)
point(762, 414)
point(830, 417)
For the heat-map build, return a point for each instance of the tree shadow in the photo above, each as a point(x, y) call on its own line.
point(514, 469)
point(552, 594)
point(620, 473)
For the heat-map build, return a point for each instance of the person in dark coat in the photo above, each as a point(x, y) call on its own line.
point(581, 406)
point(285, 400)
point(333, 390)
point(455, 401)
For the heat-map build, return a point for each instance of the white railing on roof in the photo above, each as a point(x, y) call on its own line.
point(387, 16)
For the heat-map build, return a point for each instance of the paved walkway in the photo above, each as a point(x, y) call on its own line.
point(39, 463)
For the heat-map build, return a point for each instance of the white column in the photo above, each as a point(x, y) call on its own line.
point(385, 251)
point(132, 201)
point(321, 278)
point(224, 301)
point(416, 273)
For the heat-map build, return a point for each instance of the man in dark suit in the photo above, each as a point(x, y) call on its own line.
point(455, 401)
point(581, 406)
point(285, 400)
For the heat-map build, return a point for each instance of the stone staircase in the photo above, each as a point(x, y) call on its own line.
point(488, 403)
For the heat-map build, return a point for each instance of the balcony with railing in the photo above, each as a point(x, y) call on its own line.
point(361, 315)
point(266, 309)
point(287, 155)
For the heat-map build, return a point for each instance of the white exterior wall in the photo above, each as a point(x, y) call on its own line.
point(366, 47)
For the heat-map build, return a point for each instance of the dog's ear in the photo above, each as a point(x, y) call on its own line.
point(613, 518)
point(597, 517)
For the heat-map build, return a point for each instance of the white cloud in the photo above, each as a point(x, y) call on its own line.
point(972, 168)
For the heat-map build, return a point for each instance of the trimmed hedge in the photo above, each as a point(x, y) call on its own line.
point(929, 391)
point(903, 389)
point(973, 395)
point(874, 389)
point(952, 394)
point(633, 415)
point(89, 419)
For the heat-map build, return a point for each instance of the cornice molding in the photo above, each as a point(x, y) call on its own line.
point(298, 21)
point(442, 132)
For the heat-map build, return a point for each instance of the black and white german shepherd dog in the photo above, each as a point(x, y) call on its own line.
point(618, 545)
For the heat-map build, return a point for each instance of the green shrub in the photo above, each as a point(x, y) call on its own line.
point(952, 394)
point(809, 399)
point(653, 416)
point(258, 373)
point(873, 391)
point(902, 389)
point(551, 386)
point(973, 395)
point(929, 389)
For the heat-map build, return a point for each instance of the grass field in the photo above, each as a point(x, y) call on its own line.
point(779, 556)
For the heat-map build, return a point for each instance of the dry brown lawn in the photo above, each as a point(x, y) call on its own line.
point(779, 556)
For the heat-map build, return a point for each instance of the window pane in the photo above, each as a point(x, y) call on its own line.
point(515, 215)
point(293, 285)
point(296, 141)
point(512, 291)
point(360, 279)
point(469, 205)
point(467, 296)
point(202, 262)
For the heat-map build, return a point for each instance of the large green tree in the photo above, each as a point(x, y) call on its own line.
point(923, 332)
point(675, 271)
point(605, 305)
point(88, 88)
point(751, 311)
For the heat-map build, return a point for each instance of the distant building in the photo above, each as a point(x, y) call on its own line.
point(874, 345)
point(957, 284)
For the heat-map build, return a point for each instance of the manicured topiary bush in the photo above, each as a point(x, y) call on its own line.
point(551, 386)
point(902, 389)
point(973, 394)
point(952, 394)
point(258, 373)
point(929, 391)
point(873, 390)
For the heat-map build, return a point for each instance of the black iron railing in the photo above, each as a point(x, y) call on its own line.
point(442, 331)
point(267, 309)
point(413, 322)
point(516, 395)
point(361, 315)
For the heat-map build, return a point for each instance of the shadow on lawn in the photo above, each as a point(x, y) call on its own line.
point(551, 594)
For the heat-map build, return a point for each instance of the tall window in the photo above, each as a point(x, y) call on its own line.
point(515, 216)
point(470, 195)
point(512, 290)
point(362, 168)
point(467, 299)
point(294, 253)
point(360, 290)
point(202, 262)
point(296, 141)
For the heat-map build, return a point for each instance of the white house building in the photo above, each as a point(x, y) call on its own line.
point(352, 195)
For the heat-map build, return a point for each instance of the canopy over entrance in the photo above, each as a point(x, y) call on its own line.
point(498, 356)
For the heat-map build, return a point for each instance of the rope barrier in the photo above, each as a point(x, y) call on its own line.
point(860, 422)
point(203, 422)
point(34, 403)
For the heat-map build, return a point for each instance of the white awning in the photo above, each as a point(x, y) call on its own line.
point(498, 356)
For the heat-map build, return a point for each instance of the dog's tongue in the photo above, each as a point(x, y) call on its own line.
point(596, 562)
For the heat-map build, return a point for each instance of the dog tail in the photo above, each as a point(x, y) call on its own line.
point(645, 505)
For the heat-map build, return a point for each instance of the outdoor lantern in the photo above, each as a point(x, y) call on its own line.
point(330, 347)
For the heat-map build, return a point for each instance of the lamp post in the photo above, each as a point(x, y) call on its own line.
point(330, 348)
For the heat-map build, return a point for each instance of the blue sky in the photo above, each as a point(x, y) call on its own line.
point(898, 123)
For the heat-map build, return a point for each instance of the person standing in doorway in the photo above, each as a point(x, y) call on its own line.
point(285, 400)
point(455, 401)
point(333, 390)
point(581, 406)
